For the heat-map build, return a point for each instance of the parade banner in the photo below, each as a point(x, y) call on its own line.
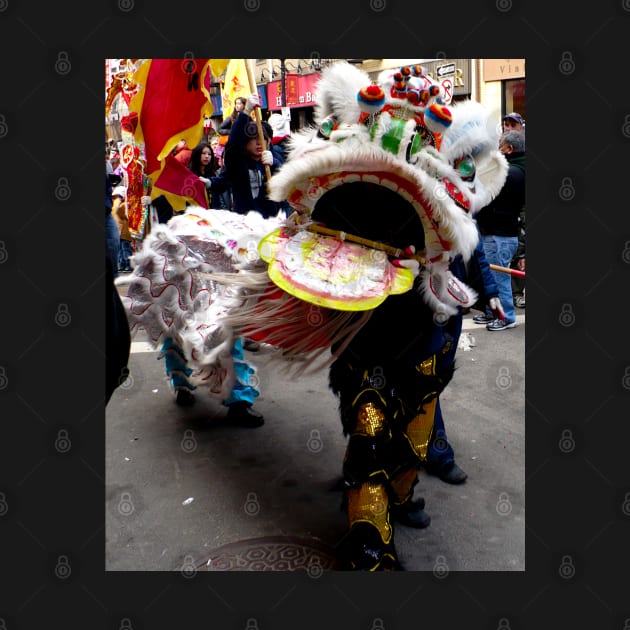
point(235, 84)
point(171, 103)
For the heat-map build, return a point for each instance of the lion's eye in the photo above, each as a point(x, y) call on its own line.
point(465, 167)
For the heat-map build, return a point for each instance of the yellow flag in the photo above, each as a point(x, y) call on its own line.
point(236, 84)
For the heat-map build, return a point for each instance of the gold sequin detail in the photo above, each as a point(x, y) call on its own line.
point(427, 367)
point(370, 420)
point(420, 428)
point(402, 485)
point(369, 503)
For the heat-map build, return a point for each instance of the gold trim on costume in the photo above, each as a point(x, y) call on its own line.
point(369, 503)
point(370, 420)
point(427, 367)
point(403, 484)
point(420, 428)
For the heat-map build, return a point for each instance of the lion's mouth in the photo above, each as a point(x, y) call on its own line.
point(372, 211)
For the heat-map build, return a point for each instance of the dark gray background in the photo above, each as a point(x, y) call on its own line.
point(578, 360)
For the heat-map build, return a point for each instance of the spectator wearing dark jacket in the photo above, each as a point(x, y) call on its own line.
point(245, 161)
point(499, 225)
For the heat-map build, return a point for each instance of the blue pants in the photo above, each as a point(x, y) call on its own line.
point(439, 451)
point(500, 250)
point(124, 254)
point(177, 371)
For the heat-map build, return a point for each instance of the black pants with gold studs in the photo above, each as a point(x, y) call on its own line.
point(387, 412)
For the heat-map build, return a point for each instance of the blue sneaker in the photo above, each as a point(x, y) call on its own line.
point(500, 324)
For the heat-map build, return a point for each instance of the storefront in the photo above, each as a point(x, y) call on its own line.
point(299, 91)
point(504, 82)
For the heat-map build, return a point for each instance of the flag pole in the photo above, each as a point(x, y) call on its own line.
point(512, 272)
point(258, 117)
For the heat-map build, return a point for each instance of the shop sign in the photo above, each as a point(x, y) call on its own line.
point(299, 91)
point(503, 69)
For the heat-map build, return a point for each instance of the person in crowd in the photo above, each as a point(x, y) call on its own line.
point(241, 400)
point(204, 165)
point(117, 335)
point(221, 200)
point(476, 273)
point(499, 226)
point(117, 168)
point(245, 160)
point(112, 233)
point(513, 122)
point(119, 212)
point(281, 132)
point(239, 105)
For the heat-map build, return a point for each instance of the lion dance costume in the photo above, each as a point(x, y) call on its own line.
point(383, 192)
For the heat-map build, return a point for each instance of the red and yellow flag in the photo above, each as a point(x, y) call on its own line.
point(179, 185)
point(171, 104)
point(236, 84)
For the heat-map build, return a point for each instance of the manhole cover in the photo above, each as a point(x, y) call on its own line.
point(271, 554)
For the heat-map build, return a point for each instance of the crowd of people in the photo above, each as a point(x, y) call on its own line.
point(234, 166)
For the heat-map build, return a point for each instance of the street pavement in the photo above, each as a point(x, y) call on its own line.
point(185, 489)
